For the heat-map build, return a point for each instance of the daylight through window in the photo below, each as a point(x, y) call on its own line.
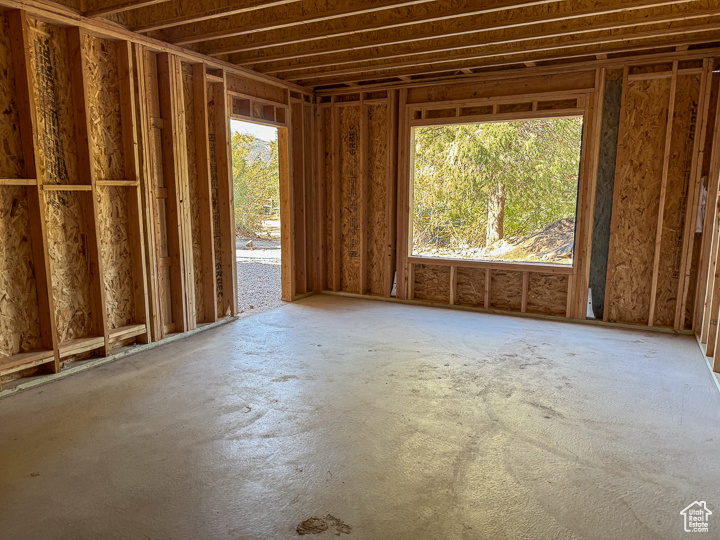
point(501, 191)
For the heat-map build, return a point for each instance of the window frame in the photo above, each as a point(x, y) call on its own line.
point(431, 115)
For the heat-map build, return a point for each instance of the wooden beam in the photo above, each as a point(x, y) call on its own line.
point(181, 12)
point(405, 148)
point(49, 11)
point(517, 70)
point(711, 237)
point(100, 8)
point(29, 136)
point(336, 230)
point(147, 195)
point(298, 13)
point(616, 198)
point(363, 195)
point(227, 283)
point(392, 181)
point(202, 149)
point(393, 26)
point(469, 31)
point(170, 155)
point(136, 234)
point(286, 214)
point(693, 192)
point(587, 213)
point(182, 186)
point(87, 176)
point(525, 44)
point(663, 192)
point(574, 58)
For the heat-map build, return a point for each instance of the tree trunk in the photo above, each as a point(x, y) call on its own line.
point(496, 214)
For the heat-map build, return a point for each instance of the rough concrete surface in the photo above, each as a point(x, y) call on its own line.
point(397, 421)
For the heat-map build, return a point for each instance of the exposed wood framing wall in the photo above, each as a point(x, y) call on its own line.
point(116, 195)
point(654, 252)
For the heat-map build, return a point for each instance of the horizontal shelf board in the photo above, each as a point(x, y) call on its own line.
point(80, 345)
point(16, 362)
point(497, 265)
point(18, 182)
point(128, 331)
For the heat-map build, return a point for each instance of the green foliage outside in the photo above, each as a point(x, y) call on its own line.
point(256, 183)
point(478, 183)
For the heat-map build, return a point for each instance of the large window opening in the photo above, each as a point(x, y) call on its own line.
point(499, 191)
point(256, 183)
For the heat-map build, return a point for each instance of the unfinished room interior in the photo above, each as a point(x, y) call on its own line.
point(498, 242)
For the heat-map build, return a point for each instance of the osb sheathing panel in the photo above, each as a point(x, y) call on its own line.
point(326, 119)
point(432, 283)
point(68, 251)
point(547, 294)
point(103, 95)
point(217, 238)
point(678, 182)
point(377, 179)
point(505, 290)
point(327, 168)
point(635, 208)
point(11, 160)
point(103, 98)
point(470, 287)
point(349, 199)
point(57, 158)
point(19, 320)
point(189, 100)
point(258, 89)
point(116, 255)
point(506, 88)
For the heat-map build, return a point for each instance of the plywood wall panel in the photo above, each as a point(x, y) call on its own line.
point(547, 294)
point(470, 287)
point(349, 198)
point(327, 164)
point(678, 183)
point(58, 158)
point(378, 185)
point(106, 151)
point(636, 200)
point(506, 290)
point(193, 189)
point(19, 317)
point(432, 283)
point(113, 215)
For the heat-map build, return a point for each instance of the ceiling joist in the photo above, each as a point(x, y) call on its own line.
point(488, 32)
point(645, 25)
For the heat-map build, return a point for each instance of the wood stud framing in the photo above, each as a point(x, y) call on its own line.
point(152, 125)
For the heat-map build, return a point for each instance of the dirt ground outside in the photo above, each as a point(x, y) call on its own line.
point(258, 269)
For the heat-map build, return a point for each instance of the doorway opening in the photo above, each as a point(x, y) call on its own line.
point(256, 186)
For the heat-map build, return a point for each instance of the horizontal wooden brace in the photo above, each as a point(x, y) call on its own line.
point(117, 183)
point(495, 265)
point(18, 182)
point(67, 187)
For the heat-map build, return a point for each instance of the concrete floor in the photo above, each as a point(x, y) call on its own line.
point(401, 421)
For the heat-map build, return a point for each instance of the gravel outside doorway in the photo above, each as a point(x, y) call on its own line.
point(258, 271)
